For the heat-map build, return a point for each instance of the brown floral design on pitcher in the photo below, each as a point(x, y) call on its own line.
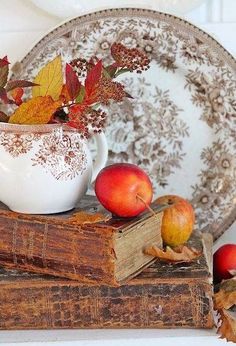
point(17, 144)
point(62, 155)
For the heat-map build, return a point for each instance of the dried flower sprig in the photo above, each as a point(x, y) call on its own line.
point(76, 101)
point(81, 66)
point(131, 59)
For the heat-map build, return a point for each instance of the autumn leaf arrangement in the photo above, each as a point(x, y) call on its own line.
point(74, 97)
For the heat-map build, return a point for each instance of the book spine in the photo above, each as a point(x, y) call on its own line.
point(80, 253)
point(166, 305)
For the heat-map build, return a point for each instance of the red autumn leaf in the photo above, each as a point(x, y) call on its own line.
point(73, 124)
point(3, 117)
point(4, 71)
point(92, 80)
point(76, 118)
point(3, 96)
point(17, 94)
point(76, 124)
point(72, 82)
point(4, 61)
point(13, 84)
point(75, 111)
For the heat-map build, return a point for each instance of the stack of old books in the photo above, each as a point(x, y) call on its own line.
point(60, 272)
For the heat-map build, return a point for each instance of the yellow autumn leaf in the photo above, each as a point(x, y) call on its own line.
point(50, 80)
point(38, 110)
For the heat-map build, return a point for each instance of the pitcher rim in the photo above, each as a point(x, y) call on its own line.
point(39, 128)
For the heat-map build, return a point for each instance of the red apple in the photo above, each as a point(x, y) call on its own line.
point(178, 220)
point(124, 189)
point(224, 260)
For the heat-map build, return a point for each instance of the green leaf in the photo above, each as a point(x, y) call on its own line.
point(80, 97)
point(123, 70)
point(96, 106)
point(110, 71)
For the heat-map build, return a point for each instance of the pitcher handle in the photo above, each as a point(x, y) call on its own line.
point(102, 154)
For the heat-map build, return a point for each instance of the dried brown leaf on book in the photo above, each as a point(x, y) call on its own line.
point(227, 325)
point(177, 254)
point(225, 299)
point(226, 296)
point(82, 217)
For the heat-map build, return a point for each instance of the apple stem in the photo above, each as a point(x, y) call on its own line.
point(146, 205)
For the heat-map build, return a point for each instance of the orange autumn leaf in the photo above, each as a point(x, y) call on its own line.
point(82, 217)
point(64, 94)
point(177, 254)
point(49, 80)
point(17, 94)
point(227, 327)
point(38, 110)
point(224, 299)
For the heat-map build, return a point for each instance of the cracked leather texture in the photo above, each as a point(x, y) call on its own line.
point(162, 296)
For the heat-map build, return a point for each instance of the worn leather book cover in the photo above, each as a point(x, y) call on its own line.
point(108, 252)
point(162, 296)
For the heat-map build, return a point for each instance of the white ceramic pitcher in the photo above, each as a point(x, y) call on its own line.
point(46, 169)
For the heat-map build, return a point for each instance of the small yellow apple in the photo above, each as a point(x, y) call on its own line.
point(178, 220)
